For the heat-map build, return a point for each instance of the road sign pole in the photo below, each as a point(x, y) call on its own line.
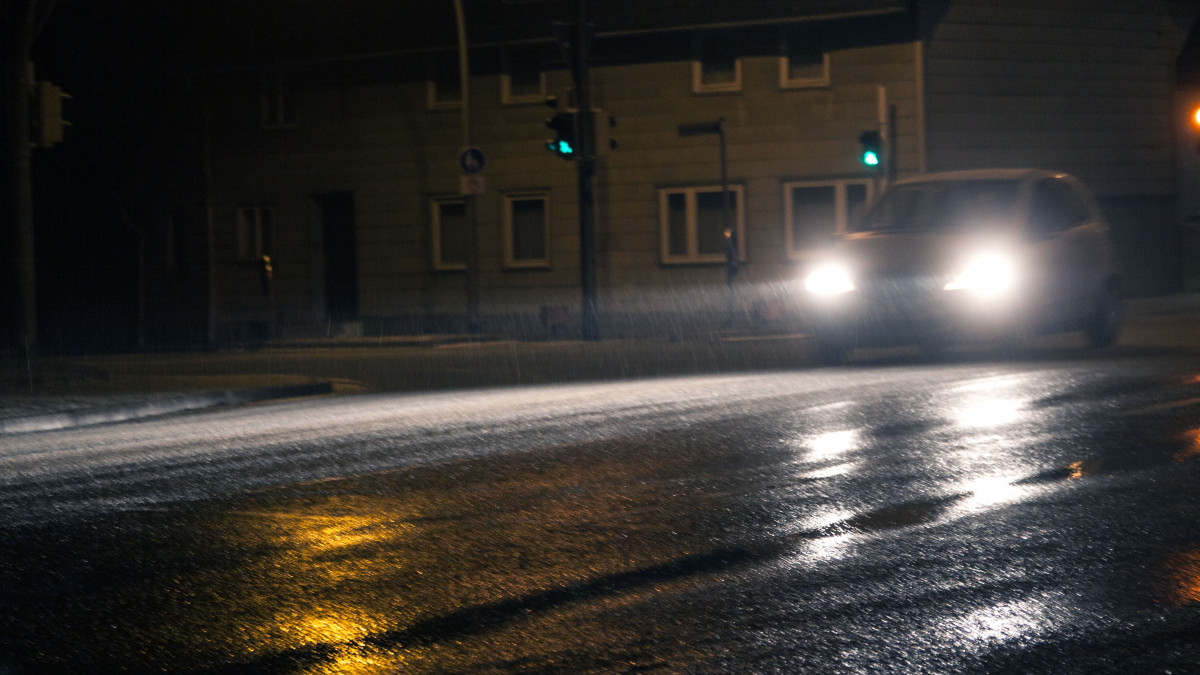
point(585, 135)
point(464, 78)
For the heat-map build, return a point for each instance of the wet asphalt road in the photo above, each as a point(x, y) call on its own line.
point(1041, 516)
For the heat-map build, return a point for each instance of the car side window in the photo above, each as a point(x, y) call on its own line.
point(1055, 208)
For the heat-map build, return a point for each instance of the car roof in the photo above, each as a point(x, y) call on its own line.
point(983, 174)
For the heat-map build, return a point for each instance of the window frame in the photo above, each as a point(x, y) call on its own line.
point(431, 85)
point(252, 239)
point(693, 255)
point(698, 84)
point(841, 209)
point(787, 82)
point(510, 260)
point(435, 231)
point(506, 95)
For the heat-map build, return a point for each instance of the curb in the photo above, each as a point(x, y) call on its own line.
point(164, 406)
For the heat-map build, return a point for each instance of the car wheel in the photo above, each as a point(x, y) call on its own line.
point(1104, 326)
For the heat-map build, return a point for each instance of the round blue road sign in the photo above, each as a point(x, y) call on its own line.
point(471, 161)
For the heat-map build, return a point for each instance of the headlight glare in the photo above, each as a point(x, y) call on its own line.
point(829, 279)
point(989, 274)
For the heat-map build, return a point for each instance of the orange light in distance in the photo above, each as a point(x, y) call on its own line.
point(1196, 116)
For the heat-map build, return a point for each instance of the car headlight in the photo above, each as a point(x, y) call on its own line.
point(829, 279)
point(988, 274)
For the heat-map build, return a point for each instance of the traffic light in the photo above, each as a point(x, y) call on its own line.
point(46, 120)
point(871, 148)
point(1196, 126)
point(563, 144)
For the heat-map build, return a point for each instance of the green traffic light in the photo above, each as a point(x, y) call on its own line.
point(564, 148)
point(870, 158)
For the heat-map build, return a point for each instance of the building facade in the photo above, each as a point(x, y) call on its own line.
point(345, 171)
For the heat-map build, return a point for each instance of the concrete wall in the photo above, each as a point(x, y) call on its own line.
point(373, 135)
point(1085, 87)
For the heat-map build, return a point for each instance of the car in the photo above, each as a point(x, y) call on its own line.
point(967, 256)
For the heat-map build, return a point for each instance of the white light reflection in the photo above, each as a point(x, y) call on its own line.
point(831, 471)
point(989, 411)
point(991, 491)
point(827, 548)
point(832, 444)
point(1007, 621)
point(825, 518)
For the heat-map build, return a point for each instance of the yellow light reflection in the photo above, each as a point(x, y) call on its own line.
point(328, 629)
point(1192, 449)
point(308, 562)
point(1179, 584)
point(343, 630)
point(1075, 470)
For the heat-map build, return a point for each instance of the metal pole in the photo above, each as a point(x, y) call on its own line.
point(586, 166)
point(18, 226)
point(893, 157)
point(464, 79)
point(730, 236)
point(209, 229)
point(885, 135)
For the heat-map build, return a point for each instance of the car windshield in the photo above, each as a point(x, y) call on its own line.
point(942, 206)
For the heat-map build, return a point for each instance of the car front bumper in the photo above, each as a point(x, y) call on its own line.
point(912, 311)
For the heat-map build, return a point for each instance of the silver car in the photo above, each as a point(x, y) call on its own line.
point(991, 255)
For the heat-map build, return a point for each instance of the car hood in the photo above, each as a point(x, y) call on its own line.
point(906, 253)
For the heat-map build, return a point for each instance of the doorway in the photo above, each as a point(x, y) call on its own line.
point(339, 244)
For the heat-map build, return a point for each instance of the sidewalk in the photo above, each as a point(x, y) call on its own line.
point(78, 391)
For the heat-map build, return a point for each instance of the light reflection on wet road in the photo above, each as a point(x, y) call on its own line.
point(982, 517)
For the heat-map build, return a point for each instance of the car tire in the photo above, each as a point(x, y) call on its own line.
point(1104, 326)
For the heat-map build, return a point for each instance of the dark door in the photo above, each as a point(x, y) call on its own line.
point(341, 255)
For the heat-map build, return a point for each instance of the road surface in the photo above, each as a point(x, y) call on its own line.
point(896, 517)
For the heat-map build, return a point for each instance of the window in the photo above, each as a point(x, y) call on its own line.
point(1055, 207)
point(444, 84)
point(951, 205)
point(255, 225)
point(277, 106)
point(803, 63)
point(522, 81)
point(526, 230)
point(450, 235)
point(691, 227)
point(816, 210)
point(716, 66)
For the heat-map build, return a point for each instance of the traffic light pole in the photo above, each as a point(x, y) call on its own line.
point(586, 166)
point(19, 294)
